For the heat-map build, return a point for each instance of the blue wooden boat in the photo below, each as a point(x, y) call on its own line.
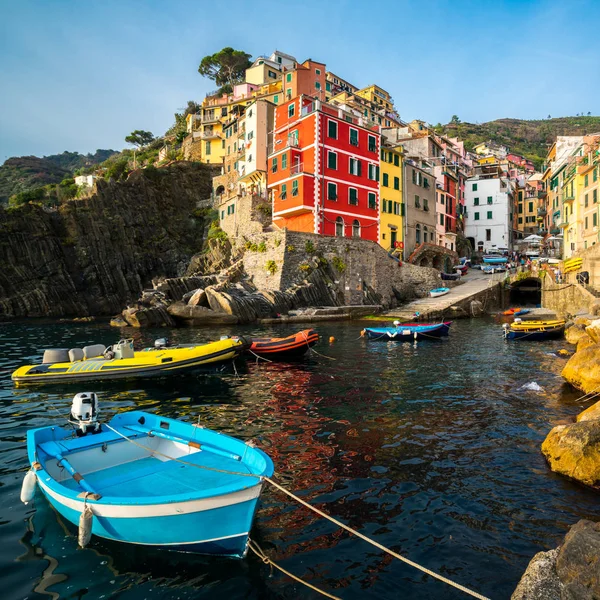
point(523, 311)
point(534, 331)
point(441, 291)
point(150, 480)
point(408, 332)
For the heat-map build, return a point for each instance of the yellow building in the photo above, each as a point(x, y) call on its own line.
point(391, 202)
point(588, 170)
point(569, 188)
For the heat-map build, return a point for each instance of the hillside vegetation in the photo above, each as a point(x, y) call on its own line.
point(531, 139)
point(25, 173)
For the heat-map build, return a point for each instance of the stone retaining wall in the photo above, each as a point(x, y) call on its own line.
point(567, 298)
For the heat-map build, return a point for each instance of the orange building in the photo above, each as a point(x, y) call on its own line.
point(308, 78)
point(323, 170)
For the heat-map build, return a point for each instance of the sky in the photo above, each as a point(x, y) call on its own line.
point(79, 75)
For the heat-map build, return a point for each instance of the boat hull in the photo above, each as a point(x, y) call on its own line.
point(408, 332)
point(154, 363)
point(494, 260)
point(439, 292)
point(222, 530)
point(293, 346)
point(535, 335)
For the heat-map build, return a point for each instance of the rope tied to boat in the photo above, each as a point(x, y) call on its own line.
point(252, 545)
point(317, 511)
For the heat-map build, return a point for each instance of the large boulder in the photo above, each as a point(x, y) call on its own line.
point(593, 330)
point(584, 342)
point(578, 562)
point(583, 369)
point(148, 317)
point(199, 315)
point(590, 414)
point(198, 298)
point(540, 581)
point(570, 572)
point(574, 450)
point(575, 333)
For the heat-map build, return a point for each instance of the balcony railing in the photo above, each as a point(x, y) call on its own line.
point(296, 168)
point(569, 197)
point(542, 212)
point(210, 118)
point(555, 230)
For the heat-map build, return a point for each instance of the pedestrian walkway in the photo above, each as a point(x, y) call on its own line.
point(474, 287)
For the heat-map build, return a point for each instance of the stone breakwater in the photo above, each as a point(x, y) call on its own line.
point(278, 273)
point(93, 255)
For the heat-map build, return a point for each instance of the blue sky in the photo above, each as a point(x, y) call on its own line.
point(81, 75)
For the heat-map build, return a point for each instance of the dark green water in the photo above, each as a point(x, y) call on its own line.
point(433, 450)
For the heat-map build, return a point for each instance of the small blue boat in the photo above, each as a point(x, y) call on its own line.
point(523, 311)
point(149, 480)
point(408, 332)
point(441, 291)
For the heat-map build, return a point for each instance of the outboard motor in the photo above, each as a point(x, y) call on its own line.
point(84, 413)
point(161, 343)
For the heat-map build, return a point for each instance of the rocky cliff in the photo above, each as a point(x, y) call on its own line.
point(94, 255)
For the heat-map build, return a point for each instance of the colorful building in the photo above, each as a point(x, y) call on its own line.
point(323, 170)
point(391, 194)
point(588, 170)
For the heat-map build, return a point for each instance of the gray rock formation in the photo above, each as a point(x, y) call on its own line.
point(94, 255)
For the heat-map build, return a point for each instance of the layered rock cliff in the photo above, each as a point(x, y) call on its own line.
point(94, 255)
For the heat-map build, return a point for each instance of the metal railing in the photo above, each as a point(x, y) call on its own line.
point(296, 168)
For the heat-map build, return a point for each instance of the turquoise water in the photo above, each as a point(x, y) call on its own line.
point(433, 450)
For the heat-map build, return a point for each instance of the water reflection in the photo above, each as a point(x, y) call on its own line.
point(433, 449)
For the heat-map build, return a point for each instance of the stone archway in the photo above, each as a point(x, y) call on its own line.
point(526, 292)
point(438, 262)
point(424, 262)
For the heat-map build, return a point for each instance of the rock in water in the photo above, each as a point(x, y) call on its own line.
point(590, 414)
point(198, 298)
point(583, 369)
point(570, 572)
point(575, 333)
point(578, 562)
point(118, 322)
point(574, 451)
point(540, 581)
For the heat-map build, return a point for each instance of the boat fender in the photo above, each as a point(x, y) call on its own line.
point(28, 487)
point(363, 332)
point(331, 340)
point(85, 526)
point(517, 320)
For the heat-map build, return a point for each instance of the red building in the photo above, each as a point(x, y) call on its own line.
point(323, 170)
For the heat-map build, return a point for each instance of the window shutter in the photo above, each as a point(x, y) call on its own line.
point(359, 170)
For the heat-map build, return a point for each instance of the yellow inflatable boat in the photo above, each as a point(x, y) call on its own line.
point(527, 325)
point(120, 361)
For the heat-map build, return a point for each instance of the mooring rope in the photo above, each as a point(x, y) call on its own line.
point(252, 545)
point(318, 512)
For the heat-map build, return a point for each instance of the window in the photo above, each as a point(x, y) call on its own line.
point(417, 202)
point(353, 196)
point(207, 148)
point(288, 78)
point(586, 200)
point(425, 182)
point(339, 227)
point(424, 234)
point(276, 98)
point(425, 204)
point(295, 187)
point(372, 172)
point(318, 71)
point(396, 183)
point(414, 176)
point(274, 165)
point(355, 167)
point(396, 160)
point(327, 86)
point(489, 214)
point(222, 214)
point(474, 188)
point(441, 219)
point(332, 160)
point(520, 220)
point(353, 137)
point(595, 196)
point(476, 216)
point(396, 208)
point(222, 143)
point(317, 85)
point(586, 180)
point(284, 161)
point(386, 180)
point(488, 235)
point(402, 209)
point(332, 129)
point(531, 207)
point(372, 143)
point(490, 200)
point(520, 209)
point(355, 228)
point(291, 110)
point(475, 201)
point(372, 200)
point(595, 219)
point(586, 222)
point(595, 174)
point(272, 75)
point(288, 93)
point(283, 192)
point(418, 234)
point(331, 191)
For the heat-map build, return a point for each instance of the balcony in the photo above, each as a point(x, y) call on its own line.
point(563, 224)
point(210, 118)
point(568, 197)
point(542, 212)
point(555, 230)
point(296, 168)
point(292, 142)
